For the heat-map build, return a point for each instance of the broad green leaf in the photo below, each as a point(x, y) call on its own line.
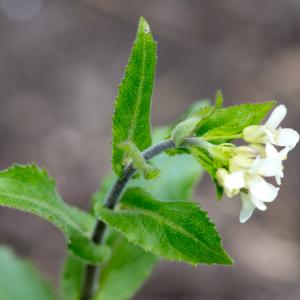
point(72, 277)
point(178, 231)
point(225, 123)
point(131, 120)
point(20, 281)
point(128, 267)
point(29, 188)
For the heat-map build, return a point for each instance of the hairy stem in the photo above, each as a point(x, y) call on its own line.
point(92, 271)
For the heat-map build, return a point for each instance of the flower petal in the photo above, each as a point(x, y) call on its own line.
point(235, 180)
point(258, 203)
point(247, 208)
point(271, 151)
point(262, 190)
point(268, 167)
point(287, 137)
point(276, 117)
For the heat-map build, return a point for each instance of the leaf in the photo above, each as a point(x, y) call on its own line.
point(126, 270)
point(30, 189)
point(20, 280)
point(207, 163)
point(131, 120)
point(138, 161)
point(230, 121)
point(178, 231)
point(72, 277)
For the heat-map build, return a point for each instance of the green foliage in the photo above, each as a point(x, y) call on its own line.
point(125, 271)
point(178, 231)
point(225, 123)
point(20, 280)
point(138, 161)
point(179, 174)
point(72, 277)
point(171, 184)
point(187, 127)
point(30, 189)
point(131, 120)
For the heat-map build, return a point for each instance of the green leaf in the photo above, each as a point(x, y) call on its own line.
point(72, 277)
point(126, 270)
point(207, 163)
point(178, 231)
point(30, 189)
point(225, 123)
point(131, 120)
point(138, 161)
point(20, 280)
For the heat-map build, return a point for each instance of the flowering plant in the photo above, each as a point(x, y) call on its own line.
point(143, 210)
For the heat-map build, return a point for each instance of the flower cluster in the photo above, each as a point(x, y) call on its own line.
point(250, 164)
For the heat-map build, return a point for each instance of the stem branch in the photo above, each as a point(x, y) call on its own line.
point(92, 271)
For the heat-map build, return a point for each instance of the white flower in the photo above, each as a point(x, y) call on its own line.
point(270, 133)
point(259, 192)
point(232, 182)
point(245, 176)
point(271, 165)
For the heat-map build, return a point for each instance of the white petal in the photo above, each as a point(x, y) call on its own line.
point(283, 153)
point(269, 136)
point(278, 179)
point(271, 151)
point(276, 117)
point(258, 203)
point(268, 167)
point(262, 190)
point(287, 137)
point(234, 180)
point(247, 208)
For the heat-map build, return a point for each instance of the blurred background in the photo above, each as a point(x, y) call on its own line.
point(60, 63)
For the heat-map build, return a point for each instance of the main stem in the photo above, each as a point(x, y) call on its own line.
point(92, 271)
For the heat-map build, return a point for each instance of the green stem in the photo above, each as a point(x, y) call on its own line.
point(92, 271)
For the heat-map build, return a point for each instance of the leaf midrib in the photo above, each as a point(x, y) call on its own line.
point(45, 206)
point(166, 222)
point(139, 93)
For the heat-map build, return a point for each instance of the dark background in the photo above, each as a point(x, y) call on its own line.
point(60, 63)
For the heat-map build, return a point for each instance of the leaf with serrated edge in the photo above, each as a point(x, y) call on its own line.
point(232, 120)
point(131, 120)
point(178, 231)
point(29, 188)
point(19, 280)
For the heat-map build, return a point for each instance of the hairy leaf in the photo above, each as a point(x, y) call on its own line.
point(131, 120)
point(178, 231)
point(20, 280)
point(30, 189)
point(230, 121)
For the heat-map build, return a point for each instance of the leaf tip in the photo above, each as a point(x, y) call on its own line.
point(144, 26)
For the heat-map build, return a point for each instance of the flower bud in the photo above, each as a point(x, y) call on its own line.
point(239, 163)
point(255, 134)
point(246, 151)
